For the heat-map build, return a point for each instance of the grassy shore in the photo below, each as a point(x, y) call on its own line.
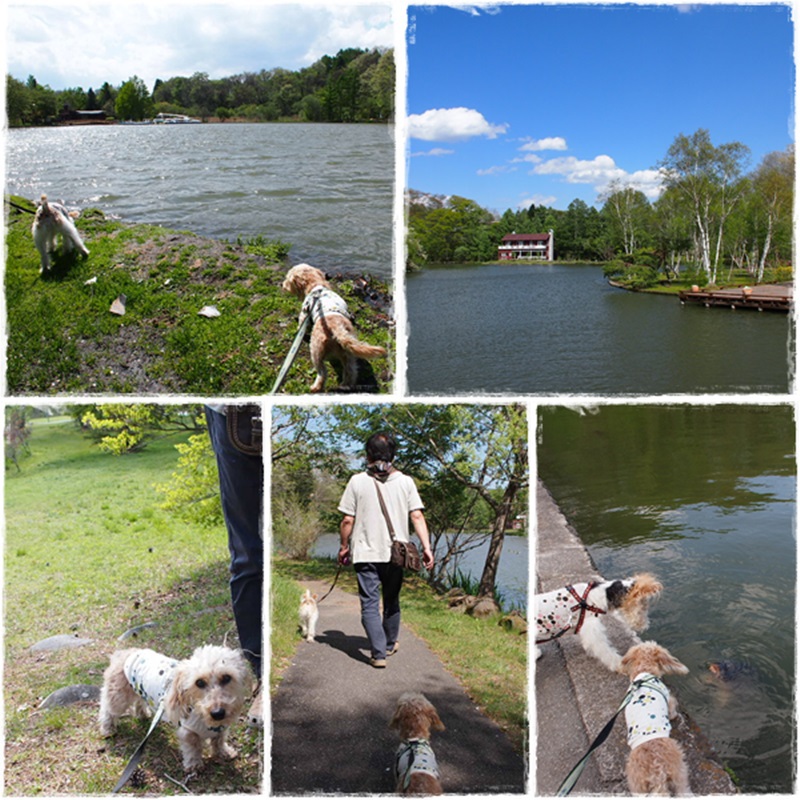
point(490, 662)
point(63, 338)
point(88, 552)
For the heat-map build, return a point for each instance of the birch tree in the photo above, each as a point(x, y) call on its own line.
point(774, 186)
point(710, 178)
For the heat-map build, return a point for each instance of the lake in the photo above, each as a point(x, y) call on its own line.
point(561, 329)
point(326, 189)
point(704, 497)
point(512, 571)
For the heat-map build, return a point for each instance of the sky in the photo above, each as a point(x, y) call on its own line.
point(91, 43)
point(545, 104)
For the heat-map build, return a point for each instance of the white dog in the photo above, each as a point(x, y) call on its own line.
point(53, 220)
point(656, 764)
point(332, 334)
point(579, 607)
point(202, 695)
point(309, 614)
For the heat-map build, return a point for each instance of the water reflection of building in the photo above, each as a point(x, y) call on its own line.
point(533, 246)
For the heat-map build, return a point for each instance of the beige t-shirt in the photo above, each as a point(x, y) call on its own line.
point(370, 540)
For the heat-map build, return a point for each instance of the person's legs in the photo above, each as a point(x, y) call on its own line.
point(392, 581)
point(369, 593)
point(241, 479)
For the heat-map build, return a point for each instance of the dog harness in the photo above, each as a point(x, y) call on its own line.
point(150, 675)
point(321, 302)
point(647, 713)
point(555, 611)
point(414, 755)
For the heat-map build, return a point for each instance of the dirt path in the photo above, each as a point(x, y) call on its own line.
point(331, 712)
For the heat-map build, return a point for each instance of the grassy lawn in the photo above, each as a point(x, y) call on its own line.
point(63, 338)
point(490, 662)
point(88, 552)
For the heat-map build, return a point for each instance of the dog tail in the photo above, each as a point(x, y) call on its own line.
point(347, 339)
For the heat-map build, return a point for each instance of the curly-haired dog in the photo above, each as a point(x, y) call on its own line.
point(202, 695)
point(332, 334)
point(309, 614)
point(579, 607)
point(53, 220)
point(656, 764)
point(415, 768)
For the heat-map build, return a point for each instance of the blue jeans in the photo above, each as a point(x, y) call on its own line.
point(241, 483)
point(374, 579)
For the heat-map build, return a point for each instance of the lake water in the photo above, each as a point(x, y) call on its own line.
point(704, 497)
point(555, 329)
point(326, 189)
point(512, 571)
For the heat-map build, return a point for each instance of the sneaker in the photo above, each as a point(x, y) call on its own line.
point(378, 663)
point(393, 649)
point(255, 716)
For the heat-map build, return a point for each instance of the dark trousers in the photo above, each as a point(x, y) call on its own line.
point(374, 580)
point(241, 483)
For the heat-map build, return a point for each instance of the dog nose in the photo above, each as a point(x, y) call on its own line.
point(218, 714)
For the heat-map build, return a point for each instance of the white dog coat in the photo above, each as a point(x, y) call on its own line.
point(415, 755)
point(150, 675)
point(647, 713)
point(555, 611)
point(321, 302)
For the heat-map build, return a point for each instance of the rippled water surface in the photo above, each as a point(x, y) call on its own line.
point(704, 497)
point(326, 189)
point(562, 329)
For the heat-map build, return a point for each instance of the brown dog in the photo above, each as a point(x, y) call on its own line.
point(656, 764)
point(332, 334)
point(415, 768)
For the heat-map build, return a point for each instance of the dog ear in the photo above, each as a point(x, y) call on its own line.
point(436, 723)
point(669, 664)
point(176, 698)
point(615, 594)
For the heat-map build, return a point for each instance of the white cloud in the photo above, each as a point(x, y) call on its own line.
point(530, 158)
point(600, 169)
point(123, 39)
point(434, 151)
point(548, 143)
point(451, 124)
point(499, 170)
point(537, 200)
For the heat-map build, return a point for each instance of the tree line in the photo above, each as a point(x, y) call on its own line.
point(355, 85)
point(712, 213)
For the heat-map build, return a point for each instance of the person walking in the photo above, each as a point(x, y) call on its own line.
point(365, 540)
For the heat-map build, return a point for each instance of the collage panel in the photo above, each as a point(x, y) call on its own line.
point(675, 526)
point(153, 216)
point(422, 659)
point(133, 589)
point(583, 221)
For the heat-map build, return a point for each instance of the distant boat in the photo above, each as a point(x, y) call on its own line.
point(174, 119)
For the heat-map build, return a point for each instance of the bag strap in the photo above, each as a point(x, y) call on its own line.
point(384, 509)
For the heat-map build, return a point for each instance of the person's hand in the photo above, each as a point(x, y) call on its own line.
point(427, 558)
point(344, 555)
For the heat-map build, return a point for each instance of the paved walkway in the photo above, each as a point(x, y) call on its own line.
point(576, 696)
point(330, 716)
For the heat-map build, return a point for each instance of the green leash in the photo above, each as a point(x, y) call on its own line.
point(293, 350)
point(568, 784)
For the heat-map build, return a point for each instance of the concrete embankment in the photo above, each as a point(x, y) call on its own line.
point(576, 696)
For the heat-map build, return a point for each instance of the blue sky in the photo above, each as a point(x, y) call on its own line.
point(84, 44)
point(510, 105)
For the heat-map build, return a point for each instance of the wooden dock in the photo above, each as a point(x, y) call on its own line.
point(766, 297)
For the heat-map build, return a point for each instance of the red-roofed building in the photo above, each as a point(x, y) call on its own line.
point(534, 246)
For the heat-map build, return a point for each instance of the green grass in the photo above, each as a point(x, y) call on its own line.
point(63, 338)
point(88, 552)
point(490, 662)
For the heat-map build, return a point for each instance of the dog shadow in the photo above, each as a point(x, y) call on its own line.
point(356, 647)
point(366, 380)
point(60, 265)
